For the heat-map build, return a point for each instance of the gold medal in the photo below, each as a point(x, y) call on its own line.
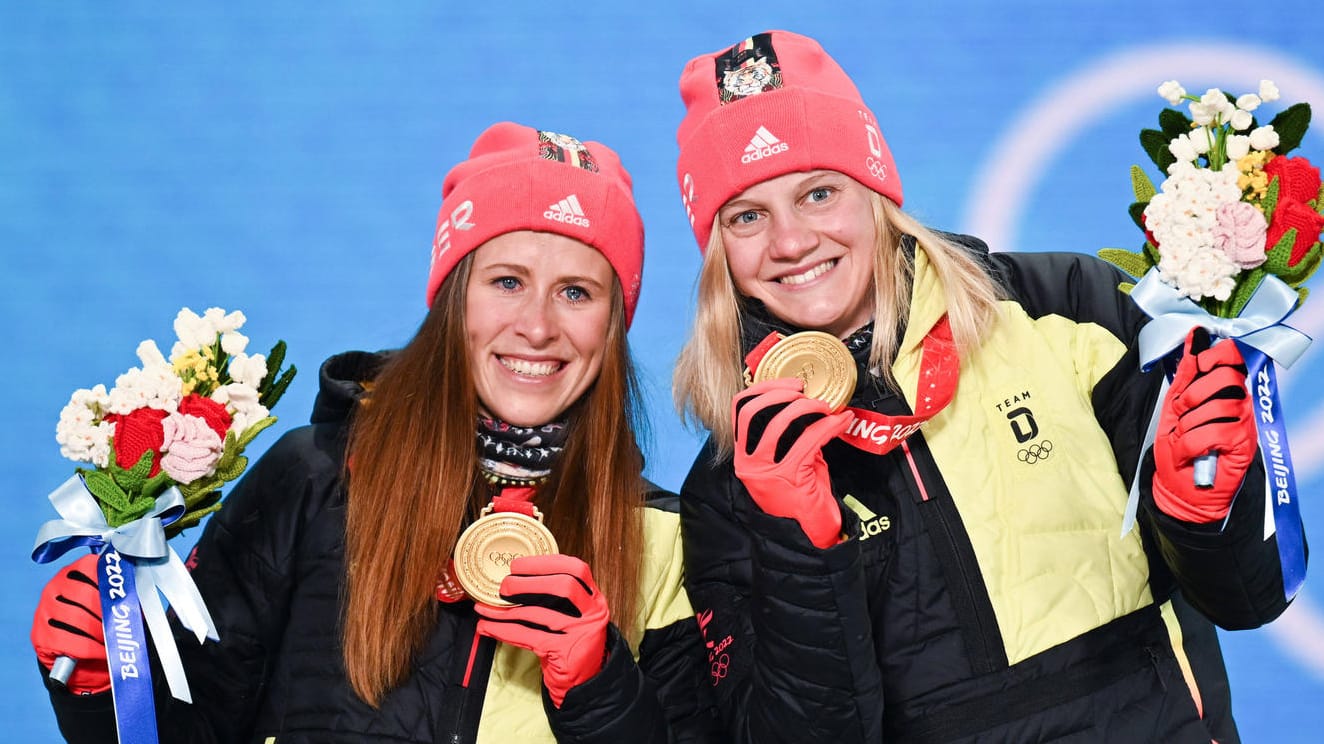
point(485, 549)
point(819, 359)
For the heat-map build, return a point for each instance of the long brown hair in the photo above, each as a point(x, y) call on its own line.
point(414, 466)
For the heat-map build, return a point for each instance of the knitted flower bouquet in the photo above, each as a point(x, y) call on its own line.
point(1234, 207)
point(1231, 236)
point(155, 452)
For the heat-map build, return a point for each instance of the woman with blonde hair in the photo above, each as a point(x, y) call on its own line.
point(502, 434)
point(905, 524)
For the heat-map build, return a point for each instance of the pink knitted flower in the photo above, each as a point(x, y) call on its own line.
point(1240, 233)
point(191, 447)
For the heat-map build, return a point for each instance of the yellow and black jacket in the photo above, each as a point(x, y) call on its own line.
point(985, 592)
point(270, 566)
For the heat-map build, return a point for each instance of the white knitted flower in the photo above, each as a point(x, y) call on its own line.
point(1264, 138)
point(241, 401)
point(233, 342)
point(1240, 120)
point(193, 331)
point(152, 386)
point(1182, 217)
point(247, 369)
point(1268, 91)
point(1172, 91)
point(1237, 147)
point(1248, 102)
point(82, 436)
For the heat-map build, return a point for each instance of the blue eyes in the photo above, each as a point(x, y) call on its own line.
point(573, 293)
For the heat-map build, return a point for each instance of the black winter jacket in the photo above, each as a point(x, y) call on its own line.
point(270, 566)
point(985, 592)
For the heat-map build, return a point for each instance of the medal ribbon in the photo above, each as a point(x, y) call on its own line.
point(940, 367)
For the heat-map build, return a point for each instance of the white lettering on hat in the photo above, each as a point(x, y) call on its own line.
point(687, 196)
point(459, 219)
point(568, 211)
point(763, 144)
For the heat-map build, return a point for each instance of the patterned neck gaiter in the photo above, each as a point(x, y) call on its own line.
point(514, 455)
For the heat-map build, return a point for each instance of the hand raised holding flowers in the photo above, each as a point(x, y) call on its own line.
point(1231, 235)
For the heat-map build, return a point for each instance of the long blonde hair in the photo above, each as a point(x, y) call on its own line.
point(412, 464)
point(710, 371)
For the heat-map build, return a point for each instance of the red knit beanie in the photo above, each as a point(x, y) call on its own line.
point(773, 104)
point(519, 178)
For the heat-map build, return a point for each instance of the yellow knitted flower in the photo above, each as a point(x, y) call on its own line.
point(1252, 181)
point(196, 370)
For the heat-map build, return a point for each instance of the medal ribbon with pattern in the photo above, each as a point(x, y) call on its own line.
point(940, 368)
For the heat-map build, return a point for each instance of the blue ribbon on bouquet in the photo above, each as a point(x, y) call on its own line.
point(1263, 339)
point(136, 563)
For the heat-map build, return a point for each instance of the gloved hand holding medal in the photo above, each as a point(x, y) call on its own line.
point(508, 528)
point(820, 360)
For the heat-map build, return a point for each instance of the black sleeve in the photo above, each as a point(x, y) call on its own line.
point(1230, 574)
point(787, 629)
point(240, 566)
point(656, 701)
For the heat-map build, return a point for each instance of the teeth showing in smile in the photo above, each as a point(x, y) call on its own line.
point(813, 273)
point(529, 369)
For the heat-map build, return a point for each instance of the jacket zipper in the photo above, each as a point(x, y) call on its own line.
point(986, 651)
point(457, 730)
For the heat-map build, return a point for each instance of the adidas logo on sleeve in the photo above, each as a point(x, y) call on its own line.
point(763, 144)
point(568, 211)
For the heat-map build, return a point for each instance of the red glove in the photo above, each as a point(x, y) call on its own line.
point(68, 623)
point(1206, 410)
point(783, 468)
point(561, 617)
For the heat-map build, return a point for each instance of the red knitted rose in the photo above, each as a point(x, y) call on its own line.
point(1308, 224)
point(1298, 180)
point(217, 418)
point(137, 432)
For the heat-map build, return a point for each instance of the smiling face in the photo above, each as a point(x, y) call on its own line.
point(803, 244)
point(537, 310)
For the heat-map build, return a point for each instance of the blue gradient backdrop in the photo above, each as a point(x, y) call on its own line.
point(288, 161)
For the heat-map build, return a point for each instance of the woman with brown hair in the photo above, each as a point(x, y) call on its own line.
point(329, 572)
point(906, 525)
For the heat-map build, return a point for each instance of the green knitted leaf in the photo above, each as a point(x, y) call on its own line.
point(1152, 252)
point(1173, 123)
point(1141, 185)
point(1318, 204)
point(1295, 275)
point(107, 492)
point(1304, 292)
point(190, 519)
point(1155, 145)
point(272, 396)
point(1126, 287)
point(253, 430)
point(1277, 256)
point(275, 358)
point(1134, 264)
point(1291, 124)
point(233, 469)
point(1270, 201)
point(1245, 288)
point(1137, 211)
point(133, 479)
